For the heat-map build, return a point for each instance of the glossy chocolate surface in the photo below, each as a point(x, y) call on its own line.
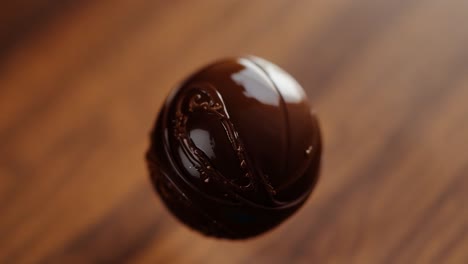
point(236, 148)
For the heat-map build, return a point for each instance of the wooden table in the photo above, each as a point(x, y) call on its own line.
point(81, 83)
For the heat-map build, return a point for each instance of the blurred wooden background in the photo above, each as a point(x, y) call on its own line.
point(81, 83)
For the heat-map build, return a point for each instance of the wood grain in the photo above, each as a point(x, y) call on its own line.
point(81, 83)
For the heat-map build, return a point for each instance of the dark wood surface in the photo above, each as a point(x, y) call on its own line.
point(81, 83)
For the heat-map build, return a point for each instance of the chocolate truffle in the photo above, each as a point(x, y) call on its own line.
point(235, 149)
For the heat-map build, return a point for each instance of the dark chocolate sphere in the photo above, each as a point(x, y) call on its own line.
point(236, 149)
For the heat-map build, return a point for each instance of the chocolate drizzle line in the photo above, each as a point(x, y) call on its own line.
point(205, 98)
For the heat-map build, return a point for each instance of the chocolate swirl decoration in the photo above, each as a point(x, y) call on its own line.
point(204, 98)
point(235, 149)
